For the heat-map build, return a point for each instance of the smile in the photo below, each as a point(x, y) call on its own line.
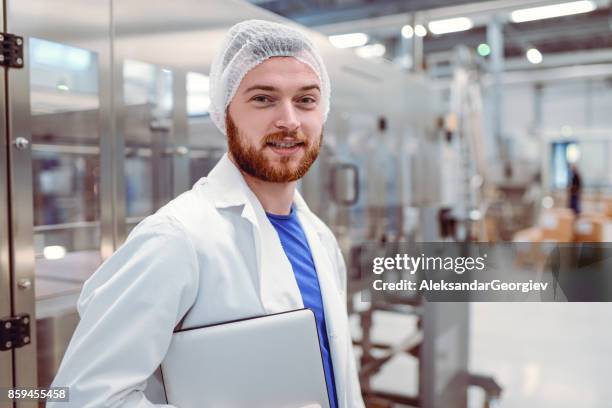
point(286, 148)
point(284, 144)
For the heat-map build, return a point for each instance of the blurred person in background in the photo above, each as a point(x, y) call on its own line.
point(574, 188)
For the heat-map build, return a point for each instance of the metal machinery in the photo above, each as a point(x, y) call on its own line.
point(104, 120)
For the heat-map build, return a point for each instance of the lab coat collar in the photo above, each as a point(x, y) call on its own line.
point(278, 289)
point(231, 189)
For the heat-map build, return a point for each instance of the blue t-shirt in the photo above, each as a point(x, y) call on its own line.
point(296, 248)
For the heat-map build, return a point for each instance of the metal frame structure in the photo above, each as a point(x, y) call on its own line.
point(54, 27)
point(439, 340)
point(6, 359)
point(440, 343)
point(20, 210)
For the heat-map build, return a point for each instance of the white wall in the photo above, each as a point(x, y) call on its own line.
point(578, 110)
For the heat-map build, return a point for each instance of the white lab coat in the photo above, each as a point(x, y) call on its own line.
point(210, 253)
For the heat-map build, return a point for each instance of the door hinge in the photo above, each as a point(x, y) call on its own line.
point(12, 50)
point(14, 332)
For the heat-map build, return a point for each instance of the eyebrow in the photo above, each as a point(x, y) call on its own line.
point(273, 89)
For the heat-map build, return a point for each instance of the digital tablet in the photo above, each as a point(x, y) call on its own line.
point(272, 361)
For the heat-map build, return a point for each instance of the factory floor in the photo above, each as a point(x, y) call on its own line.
point(544, 355)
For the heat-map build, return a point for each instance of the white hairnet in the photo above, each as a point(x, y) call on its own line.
point(246, 45)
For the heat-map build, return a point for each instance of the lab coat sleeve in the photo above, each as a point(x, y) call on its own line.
point(357, 399)
point(128, 309)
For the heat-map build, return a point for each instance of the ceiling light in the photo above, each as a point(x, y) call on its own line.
point(54, 252)
point(371, 51)
point(552, 11)
point(348, 40)
point(572, 153)
point(484, 50)
point(420, 30)
point(407, 31)
point(534, 56)
point(450, 25)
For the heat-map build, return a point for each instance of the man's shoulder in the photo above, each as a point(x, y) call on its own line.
point(191, 207)
point(196, 202)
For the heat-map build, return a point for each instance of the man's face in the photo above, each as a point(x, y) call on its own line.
point(275, 121)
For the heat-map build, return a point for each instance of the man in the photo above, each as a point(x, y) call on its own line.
point(574, 188)
point(241, 243)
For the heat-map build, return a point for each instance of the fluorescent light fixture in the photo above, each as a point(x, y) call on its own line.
point(572, 153)
point(54, 252)
point(371, 51)
point(534, 56)
point(407, 31)
point(348, 40)
point(552, 11)
point(450, 25)
point(420, 30)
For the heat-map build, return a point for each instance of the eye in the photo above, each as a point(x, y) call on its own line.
point(261, 98)
point(308, 100)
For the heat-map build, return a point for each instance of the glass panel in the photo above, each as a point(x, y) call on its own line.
point(206, 144)
point(148, 127)
point(591, 158)
point(354, 147)
point(198, 97)
point(560, 165)
point(201, 162)
point(66, 166)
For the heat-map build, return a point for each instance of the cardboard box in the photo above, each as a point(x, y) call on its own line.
point(557, 225)
point(591, 203)
point(596, 204)
point(606, 207)
point(593, 227)
point(528, 235)
point(528, 248)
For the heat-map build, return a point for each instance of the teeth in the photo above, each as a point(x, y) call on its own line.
point(285, 145)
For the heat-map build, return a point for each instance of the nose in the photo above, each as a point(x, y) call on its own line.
point(287, 117)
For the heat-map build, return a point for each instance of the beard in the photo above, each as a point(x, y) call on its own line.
point(252, 158)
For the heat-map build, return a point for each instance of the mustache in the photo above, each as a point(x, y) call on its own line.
point(280, 136)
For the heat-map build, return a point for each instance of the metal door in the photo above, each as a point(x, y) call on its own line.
point(52, 180)
point(6, 357)
point(148, 128)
